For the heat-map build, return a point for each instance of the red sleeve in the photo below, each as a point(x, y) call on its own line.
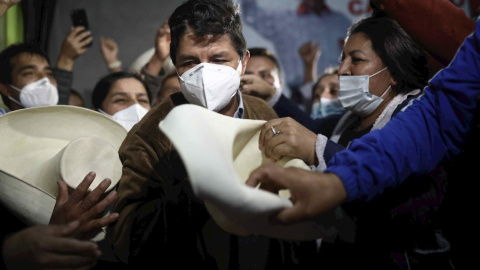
point(438, 25)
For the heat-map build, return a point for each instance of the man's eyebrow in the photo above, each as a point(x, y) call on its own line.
point(26, 67)
point(184, 57)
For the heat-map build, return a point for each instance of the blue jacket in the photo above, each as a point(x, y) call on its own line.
point(433, 129)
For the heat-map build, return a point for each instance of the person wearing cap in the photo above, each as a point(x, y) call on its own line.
point(161, 220)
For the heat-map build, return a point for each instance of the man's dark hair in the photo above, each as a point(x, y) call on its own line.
point(6, 67)
point(260, 51)
point(212, 18)
point(104, 85)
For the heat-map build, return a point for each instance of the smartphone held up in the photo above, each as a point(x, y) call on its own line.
point(79, 18)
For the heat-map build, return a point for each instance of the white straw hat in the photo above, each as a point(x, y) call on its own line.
point(43, 144)
point(219, 153)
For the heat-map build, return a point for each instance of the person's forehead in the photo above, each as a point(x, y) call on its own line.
point(24, 59)
point(127, 85)
point(260, 62)
point(214, 43)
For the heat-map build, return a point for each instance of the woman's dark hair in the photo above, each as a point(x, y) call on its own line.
point(104, 85)
point(405, 59)
point(207, 18)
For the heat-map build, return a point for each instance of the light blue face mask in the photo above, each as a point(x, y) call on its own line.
point(355, 95)
point(326, 107)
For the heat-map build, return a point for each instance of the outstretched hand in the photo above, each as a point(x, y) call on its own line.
point(312, 193)
point(84, 206)
point(49, 247)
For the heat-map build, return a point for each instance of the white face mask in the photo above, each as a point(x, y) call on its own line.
point(326, 107)
point(129, 116)
point(36, 94)
point(210, 85)
point(355, 96)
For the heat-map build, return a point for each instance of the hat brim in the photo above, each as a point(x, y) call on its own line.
point(219, 153)
point(31, 138)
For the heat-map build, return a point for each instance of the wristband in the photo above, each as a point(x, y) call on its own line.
point(115, 64)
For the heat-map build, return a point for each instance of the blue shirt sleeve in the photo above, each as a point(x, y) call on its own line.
point(433, 129)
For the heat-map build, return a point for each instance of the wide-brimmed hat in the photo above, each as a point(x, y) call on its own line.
point(41, 145)
point(219, 153)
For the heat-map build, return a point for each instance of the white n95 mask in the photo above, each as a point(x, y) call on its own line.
point(355, 96)
point(129, 116)
point(210, 85)
point(36, 94)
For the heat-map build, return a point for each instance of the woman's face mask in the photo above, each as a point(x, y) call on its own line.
point(36, 94)
point(129, 116)
point(355, 96)
point(210, 85)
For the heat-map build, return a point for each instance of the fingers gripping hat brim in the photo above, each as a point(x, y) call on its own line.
point(219, 153)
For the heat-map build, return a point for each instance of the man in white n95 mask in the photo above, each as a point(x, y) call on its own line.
point(26, 78)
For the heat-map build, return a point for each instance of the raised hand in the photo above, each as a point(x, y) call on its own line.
point(109, 50)
point(73, 46)
point(162, 49)
point(84, 206)
point(310, 53)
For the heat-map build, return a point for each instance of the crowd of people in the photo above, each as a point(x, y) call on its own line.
point(388, 135)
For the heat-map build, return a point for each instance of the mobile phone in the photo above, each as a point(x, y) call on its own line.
point(79, 18)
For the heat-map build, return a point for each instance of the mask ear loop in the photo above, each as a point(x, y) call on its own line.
point(390, 86)
point(378, 72)
point(13, 99)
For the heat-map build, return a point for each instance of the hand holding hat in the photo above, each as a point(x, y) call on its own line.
point(86, 207)
point(219, 153)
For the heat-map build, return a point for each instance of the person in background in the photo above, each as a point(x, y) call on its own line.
point(122, 96)
point(325, 95)
point(161, 219)
point(170, 85)
point(262, 79)
point(28, 80)
point(313, 21)
point(26, 77)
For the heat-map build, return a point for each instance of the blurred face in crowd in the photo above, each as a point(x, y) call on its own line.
point(327, 87)
point(264, 68)
point(124, 93)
